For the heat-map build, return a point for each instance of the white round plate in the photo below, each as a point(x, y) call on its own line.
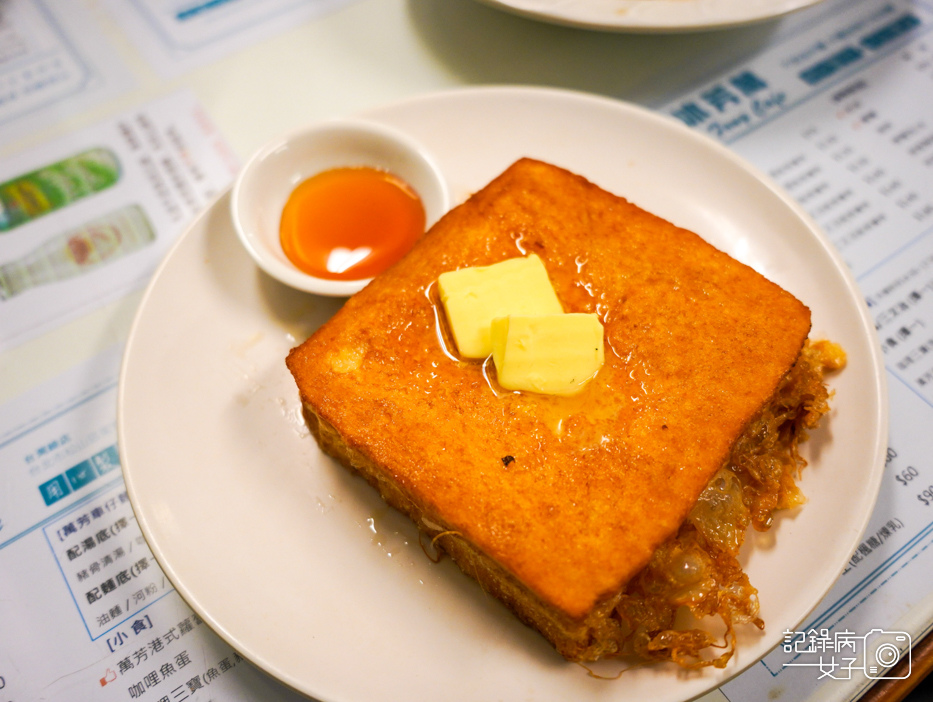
point(301, 567)
point(651, 15)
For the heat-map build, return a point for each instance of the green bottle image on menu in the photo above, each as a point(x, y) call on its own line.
point(78, 251)
point(33, 194)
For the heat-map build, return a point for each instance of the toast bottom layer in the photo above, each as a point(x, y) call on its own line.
point(758, 478)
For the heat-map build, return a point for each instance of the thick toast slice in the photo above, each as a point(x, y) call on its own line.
point(553, 504)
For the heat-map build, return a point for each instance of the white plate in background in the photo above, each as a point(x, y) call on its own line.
point(651, 15)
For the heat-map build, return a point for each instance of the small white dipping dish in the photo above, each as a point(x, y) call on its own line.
point(273, 172)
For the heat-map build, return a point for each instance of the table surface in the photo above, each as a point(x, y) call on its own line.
point(361, 55)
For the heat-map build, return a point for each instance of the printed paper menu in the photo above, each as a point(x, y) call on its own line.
point(177, 35)
point(86, 219)
point(87, 613)
point(52, 62)
point(837, 113)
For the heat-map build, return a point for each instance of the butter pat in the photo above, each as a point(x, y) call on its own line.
point(473, 297)
point(555, 354)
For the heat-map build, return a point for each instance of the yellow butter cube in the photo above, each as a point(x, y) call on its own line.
point(473, 297)
point(555, 354)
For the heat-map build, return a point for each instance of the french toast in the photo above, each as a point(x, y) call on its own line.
point(556, 504)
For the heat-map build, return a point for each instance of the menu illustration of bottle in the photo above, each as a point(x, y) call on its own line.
point(78, 251)
point(33, 194)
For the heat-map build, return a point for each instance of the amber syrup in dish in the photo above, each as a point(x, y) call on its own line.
point(350, 223)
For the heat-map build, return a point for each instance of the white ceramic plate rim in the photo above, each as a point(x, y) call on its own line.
point(651, 15)
point(490, 653)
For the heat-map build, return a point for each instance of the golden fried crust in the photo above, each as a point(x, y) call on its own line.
point(696, 345)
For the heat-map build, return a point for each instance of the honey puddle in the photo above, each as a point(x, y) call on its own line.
point(555, 412)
